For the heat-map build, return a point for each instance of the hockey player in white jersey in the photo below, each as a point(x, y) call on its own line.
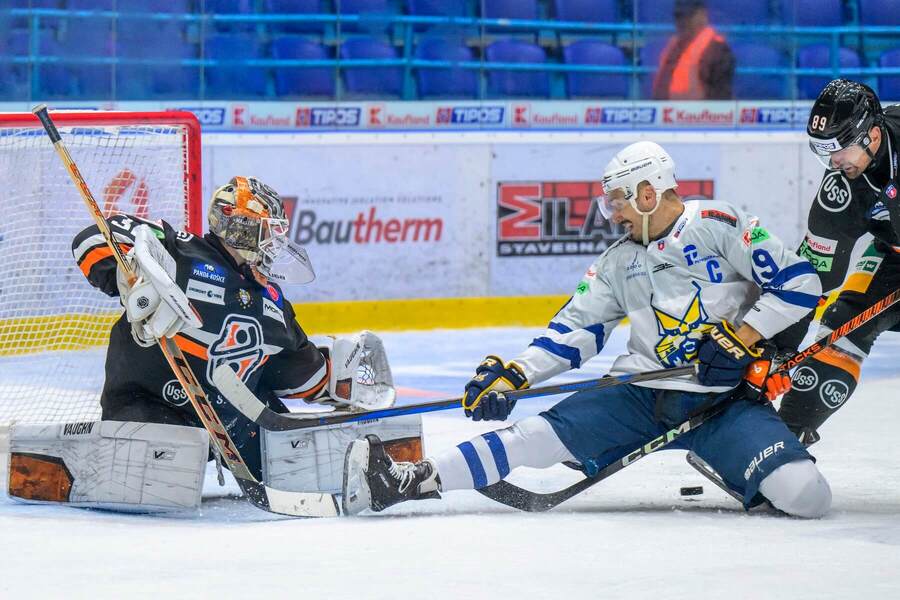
point(700, 282)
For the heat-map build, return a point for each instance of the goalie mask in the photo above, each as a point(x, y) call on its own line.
point(249, 217)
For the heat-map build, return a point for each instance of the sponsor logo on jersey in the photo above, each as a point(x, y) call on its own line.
point(890, 191)
point(272, 311)
point(274, 294)
point(582, 288)
point(239, 344)
point(77, 428)
point(758, 235)
point(184, 236)
point(348, 116)
point(834, 194)
point(679, 337)
point(718, 215)
point(692, 255)
point(205, 292)
point(661, 245)
point(757, 460)
point(207, 115)
point(208, 271)
point(624, 115)
point(662, 267)
point(555, 218)
point(821, 263)
point(635, 269)
point(820, 244)
point(469, 115)
point(174, 394)
point(679, 228)
point(804, 379)
point(245, 299)
point(833, 393)
point(774, 115)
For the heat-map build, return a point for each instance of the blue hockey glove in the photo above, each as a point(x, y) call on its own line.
point(484, 398)
point(723, 357)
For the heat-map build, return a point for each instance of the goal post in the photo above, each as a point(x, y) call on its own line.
point(54, 326)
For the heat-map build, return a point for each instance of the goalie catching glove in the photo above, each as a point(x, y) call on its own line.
point(154, 305)
point(359, 375)
point(484, 398)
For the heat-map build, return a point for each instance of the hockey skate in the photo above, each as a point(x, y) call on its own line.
point(373, 480)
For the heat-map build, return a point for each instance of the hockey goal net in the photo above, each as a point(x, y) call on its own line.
point(54, 325)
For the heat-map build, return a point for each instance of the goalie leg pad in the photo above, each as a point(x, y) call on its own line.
point(114, 465)
point(312, 460)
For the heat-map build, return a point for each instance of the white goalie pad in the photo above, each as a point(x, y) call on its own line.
point(360, 373)
point(312, 460)
point(134, 467)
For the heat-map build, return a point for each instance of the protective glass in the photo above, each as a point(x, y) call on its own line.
point(833, 156)
point(281, 260)
point(610, 205)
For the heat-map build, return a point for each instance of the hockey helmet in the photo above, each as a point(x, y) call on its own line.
point(842, 117)
point(249, 217)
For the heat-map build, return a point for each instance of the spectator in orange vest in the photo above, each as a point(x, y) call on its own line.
point(696, 63)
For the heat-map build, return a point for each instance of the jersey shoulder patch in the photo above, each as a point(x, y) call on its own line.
point(719, 215)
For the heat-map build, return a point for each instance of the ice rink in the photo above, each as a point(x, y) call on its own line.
point(631, 536)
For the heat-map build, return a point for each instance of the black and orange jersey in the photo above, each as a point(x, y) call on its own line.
point(247, 325)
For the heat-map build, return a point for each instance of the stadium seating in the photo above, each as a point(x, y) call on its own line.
point(812, 13)
point(649, 55)
point(818, 56)
point(595, 85)
point(889, 85)
point(14, 78)
point(590, 11)
point(230, 8)
point(447, 82)
point(364, 8)
point(371, 81)
point(506, 83)
point(510, 9)
point(162, 40)
point(653, 11)
point(756, 87)
point(296, 7)
point(436, 8)
point(302, 81)
point(234, 81)
point(739, 12)
point(879, 12)
point(154, 6)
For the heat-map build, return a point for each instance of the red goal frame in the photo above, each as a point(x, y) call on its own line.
point(193, 174)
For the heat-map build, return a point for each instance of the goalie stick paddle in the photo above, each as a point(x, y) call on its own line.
point(517, 497)
point(234, 390)
point(295, 504)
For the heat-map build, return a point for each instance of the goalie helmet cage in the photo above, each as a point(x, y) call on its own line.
point(54, 326)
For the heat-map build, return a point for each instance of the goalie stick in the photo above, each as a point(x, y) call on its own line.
point(295, 504)
point(234, 390)
point(517, 497)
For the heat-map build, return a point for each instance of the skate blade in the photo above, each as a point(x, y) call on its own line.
point(356, 495)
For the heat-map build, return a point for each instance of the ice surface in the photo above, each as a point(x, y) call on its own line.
point(631, 536)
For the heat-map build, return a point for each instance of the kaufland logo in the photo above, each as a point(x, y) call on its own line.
point(380, 116)
point(598, 115)
point(242, 116)
point(469, 115)
point(327, 117)
point(524, 115)
point(775, 115)
point(680, 116)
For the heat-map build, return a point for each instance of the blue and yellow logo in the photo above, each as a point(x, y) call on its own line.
point(679, 338)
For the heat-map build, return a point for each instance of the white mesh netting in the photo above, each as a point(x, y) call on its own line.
point(54, 325)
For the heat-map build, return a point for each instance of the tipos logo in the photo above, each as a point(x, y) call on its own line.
point(174, 394)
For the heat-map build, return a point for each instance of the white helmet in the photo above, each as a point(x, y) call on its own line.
point(641, 161)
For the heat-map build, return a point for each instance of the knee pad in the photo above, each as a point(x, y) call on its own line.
point(818, 389)
point(799, 489)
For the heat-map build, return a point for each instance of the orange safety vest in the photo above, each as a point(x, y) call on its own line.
point(685, 83)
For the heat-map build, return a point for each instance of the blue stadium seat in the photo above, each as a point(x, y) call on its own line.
point(450, 82)
point(595, 85)
point(231, 8)
point(818, 56)
point(90, 4)
point(14, 79)
point(502, 83)
point(653, 11)
point(364, 8)
point(436, 8)
point(812, 13)
point(54, 81)
point(154, 6)
point(87, 38)
point(590, 11)
point(879, 12)
point(510, 9)
point(889, 85)
point(648, 56)
point(236, 81)
point(302, 81)
point(739, 12)
point(296, 7)
point(758, 87)
point(371, 81)
point(162, 40)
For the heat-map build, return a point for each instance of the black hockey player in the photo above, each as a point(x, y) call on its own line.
point(857, 142)
point(229, 275)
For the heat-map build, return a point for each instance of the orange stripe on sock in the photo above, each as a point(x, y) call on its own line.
point(98, 254)
point(841, 360)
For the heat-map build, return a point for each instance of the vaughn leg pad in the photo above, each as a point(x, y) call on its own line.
point(312, 460)
point(137, 467)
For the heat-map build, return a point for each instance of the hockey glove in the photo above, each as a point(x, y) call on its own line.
point(723, 357)
point(484, 398)
point(762, 382)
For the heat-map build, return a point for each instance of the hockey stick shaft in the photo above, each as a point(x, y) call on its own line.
point(255, 491)
point(237, 394)
point(517, 497)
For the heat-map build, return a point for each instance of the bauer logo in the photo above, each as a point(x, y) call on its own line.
point(553, 218)
point(327, 117)
point(470, 115)
point(774, 115)
point(213, 116)
point(597, 115)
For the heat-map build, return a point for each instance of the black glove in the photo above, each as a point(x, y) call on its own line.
point(723, 357)
point(484, 398)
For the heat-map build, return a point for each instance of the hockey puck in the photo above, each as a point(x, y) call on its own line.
point(692, 490)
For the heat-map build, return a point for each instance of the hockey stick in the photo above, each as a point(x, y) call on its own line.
point(295, 504)
point(517, 497)
point(234, 390)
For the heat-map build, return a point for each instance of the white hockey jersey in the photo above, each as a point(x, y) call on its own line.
point(715, 264)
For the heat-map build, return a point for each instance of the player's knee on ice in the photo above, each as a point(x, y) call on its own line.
point(799, 489)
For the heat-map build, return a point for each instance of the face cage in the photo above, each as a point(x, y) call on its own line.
point(272, 241)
